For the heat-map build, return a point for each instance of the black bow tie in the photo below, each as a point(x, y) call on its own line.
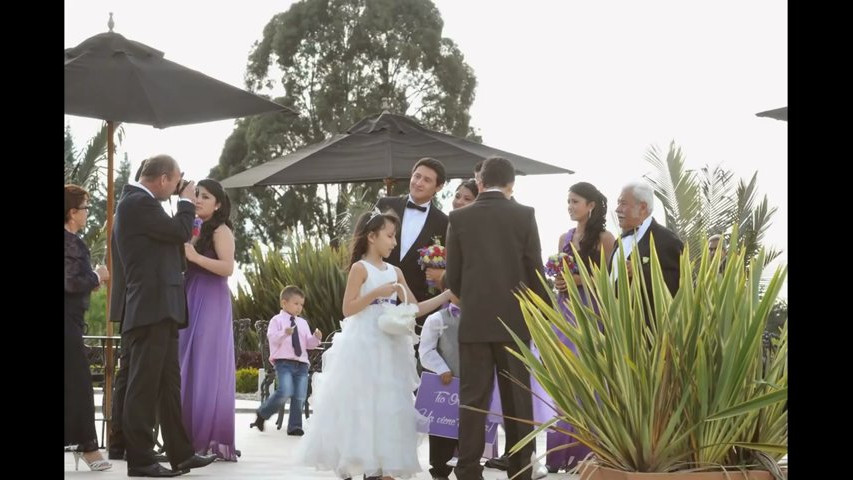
point(629, 232)
point(411, 204)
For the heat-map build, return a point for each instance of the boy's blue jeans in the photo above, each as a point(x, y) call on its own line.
point(292, 379)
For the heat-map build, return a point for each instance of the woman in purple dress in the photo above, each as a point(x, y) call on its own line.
point(587, 207)
point(206, 346)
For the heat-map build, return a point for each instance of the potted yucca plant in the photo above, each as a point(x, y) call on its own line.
point(690, 395)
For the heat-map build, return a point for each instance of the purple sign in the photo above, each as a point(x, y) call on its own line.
point(440, 404)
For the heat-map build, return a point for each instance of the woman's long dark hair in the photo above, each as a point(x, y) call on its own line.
point(589, 244)
point(220, 215)
point(367, 223)
point(471, 185)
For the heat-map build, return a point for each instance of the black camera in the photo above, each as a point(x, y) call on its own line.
point(181, 185)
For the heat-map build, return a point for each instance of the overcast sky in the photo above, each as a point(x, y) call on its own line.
point(584, 85)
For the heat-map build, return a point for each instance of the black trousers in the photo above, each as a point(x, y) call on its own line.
point(440, 452)
point(78, 392)
point(153, 386)
point(117, 408)
point(477, 362)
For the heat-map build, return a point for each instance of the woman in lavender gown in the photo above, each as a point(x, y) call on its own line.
point(587, 207)
point(206, 347)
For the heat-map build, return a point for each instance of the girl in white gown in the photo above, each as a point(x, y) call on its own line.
point(364, 420)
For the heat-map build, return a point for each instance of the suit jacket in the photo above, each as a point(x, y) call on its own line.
point(434, 226)
point(492, 247)
point(149, 246)
point(669, 248)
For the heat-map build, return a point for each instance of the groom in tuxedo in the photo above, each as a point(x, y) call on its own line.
point(492, 248)
point(149, 246)
point(634, 212)
point(420, 223)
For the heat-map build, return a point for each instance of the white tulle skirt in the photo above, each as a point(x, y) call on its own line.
point(364, 420)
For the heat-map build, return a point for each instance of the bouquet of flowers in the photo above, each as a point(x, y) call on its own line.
point(555, 264)
point(197, 227)
point(432, 256)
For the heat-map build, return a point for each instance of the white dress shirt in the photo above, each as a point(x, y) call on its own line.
point(428, 348)
point(139, 185)
point(413, 223)
point(628, 243)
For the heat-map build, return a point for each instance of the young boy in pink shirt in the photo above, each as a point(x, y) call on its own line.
point(290, 339)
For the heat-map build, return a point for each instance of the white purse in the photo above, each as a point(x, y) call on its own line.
point(399, 319)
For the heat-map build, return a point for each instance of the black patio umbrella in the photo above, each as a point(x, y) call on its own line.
point(379, 147)
point(778, 114)
point(112, 78)
point(118, 80)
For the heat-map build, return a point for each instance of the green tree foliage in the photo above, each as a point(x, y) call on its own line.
point(339, 61)
point(701, 203)
point(87, 167)
point(96, 315)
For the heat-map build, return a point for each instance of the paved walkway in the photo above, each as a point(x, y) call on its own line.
point(266, 455)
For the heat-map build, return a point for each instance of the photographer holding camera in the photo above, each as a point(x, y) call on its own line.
point(150, 245)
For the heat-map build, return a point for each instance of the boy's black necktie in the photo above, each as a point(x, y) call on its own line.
point(297, 348)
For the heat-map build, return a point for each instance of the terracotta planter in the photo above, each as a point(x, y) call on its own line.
point(591, 471)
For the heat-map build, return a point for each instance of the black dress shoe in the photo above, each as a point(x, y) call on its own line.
point(499, 463)
point(161, 458)
point(196, 461)
point(153, 470)
point(296, 432)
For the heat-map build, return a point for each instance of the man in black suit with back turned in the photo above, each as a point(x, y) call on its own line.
point(420, 223)
point(634, 212)
point(115, 447)
point(492, 248)
point(149, 246)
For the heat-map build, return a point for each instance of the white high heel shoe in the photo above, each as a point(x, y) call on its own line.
point(94, 465)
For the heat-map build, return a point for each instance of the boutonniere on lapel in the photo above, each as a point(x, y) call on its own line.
point(432, 256)
point(645, 260)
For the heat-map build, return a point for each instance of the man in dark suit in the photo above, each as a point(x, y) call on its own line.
point(492, 248)
point(149, 244)
point(116, 446)
point(118, 287)
point(634, 211)
point(420, 223)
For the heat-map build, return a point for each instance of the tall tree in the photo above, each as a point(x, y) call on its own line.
point(337, 62)
point(706, 202)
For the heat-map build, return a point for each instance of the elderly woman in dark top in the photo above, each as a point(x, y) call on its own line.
point(80, 280)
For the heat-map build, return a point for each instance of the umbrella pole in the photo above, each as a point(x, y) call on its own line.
point(389, 184)
point(108, 367)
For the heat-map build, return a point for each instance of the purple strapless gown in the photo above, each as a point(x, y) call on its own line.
point(206, 350)
point(542, 408)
